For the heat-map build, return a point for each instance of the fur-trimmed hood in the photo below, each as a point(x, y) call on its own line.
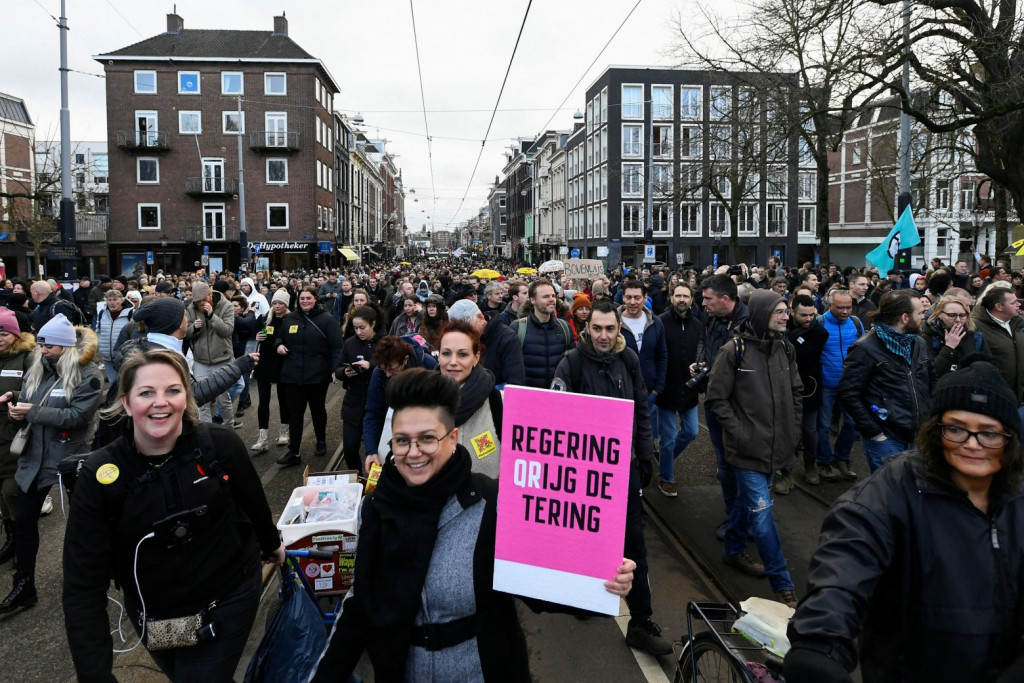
point(87, 345)
point(23, 344)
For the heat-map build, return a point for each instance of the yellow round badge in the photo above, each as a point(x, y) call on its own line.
point(107, 474)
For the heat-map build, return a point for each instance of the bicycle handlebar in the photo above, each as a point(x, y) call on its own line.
point(311, 554)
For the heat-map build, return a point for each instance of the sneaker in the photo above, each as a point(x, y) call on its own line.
point(744, 563)
point(667, 488)
point(830, 473)
point(282, 436)
point(236, 424)
point(783, 483)
point(47, 506)
point(262, 443)
point(645, 635)
point(321, 449)
point(844, 469)
point(720, 530)
point(787, 596)
point(288, 459)
point(239, 411)
point(811, 475)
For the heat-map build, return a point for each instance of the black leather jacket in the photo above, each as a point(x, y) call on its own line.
point(874, 376)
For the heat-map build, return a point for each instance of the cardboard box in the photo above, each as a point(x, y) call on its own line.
point(328, 577)
point(328, 478)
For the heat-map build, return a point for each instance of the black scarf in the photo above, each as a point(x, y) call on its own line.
point(474, 391)
point(396, 541)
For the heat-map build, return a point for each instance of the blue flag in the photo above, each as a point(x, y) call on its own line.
point(903, 235)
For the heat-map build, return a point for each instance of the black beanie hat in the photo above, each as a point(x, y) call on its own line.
point(161, 314)
point(977, 387)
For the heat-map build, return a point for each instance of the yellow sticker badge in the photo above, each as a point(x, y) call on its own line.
point(107, 474)
point(293, 329)
point(483, 445)
point(270, 330)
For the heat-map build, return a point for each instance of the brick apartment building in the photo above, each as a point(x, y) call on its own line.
point(17, 175)
point(173, 130)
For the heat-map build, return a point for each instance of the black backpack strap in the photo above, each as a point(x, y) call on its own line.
point(739, 348)
point(205, 454)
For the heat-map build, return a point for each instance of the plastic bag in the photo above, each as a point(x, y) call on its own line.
point(332, 505)
point(294, 640)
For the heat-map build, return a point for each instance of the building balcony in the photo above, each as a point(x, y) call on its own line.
point(139, 142)
point(273, 142)
point(202, 186)
point(211, 233)
point(92, 227)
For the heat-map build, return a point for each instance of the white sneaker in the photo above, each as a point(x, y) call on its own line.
point(262, 443)
point(47, 506)
point(282, 438)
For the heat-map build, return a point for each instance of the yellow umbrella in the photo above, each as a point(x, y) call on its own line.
point(404, 263)
point(527, 271)
point(486, 273)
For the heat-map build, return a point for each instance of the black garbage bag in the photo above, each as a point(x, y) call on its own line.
point(294, 640)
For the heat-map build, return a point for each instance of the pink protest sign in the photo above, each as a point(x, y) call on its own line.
point(562, 496)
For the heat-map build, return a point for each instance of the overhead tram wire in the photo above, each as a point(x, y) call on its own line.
point(483, 143)
point(587, 70)
point(423, 100)
point(114, 7)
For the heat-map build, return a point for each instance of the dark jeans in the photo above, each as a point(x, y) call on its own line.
point(216, 659)
point(351, 439)
point(639, 599)
point(753, 513)
point(726, 477)
point(26, 528)
point(298, 397)
point(264, 387)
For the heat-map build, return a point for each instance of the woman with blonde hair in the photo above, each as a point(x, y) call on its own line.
point(950, 335)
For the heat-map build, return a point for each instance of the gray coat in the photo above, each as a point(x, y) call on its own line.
point(59, 424)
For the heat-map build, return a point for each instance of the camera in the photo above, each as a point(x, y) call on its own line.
point(700, 379)
point(176, 529)
point(735, 270)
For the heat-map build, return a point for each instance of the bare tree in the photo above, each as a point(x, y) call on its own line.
point(811, 48)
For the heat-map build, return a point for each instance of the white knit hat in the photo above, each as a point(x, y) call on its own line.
point(58, 332)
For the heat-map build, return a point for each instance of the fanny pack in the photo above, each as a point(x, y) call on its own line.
point(167, 634)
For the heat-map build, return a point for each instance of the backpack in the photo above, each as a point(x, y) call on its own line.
point(856, 322)
point(70, 310)
point(740, 347)
point(631, 360)
point(521, 324)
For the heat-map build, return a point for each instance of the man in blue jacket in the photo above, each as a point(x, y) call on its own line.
point(543, 336)
point(645, 334)
point(843, 330)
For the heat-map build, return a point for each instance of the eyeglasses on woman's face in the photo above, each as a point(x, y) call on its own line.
point(958, 434)
point(426, 444)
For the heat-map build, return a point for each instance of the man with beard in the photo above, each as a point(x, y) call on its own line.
point(888, 378)
point(808, 337)
point(677, 403)
point(343, 300)
point(602, 365)
point(543, 336)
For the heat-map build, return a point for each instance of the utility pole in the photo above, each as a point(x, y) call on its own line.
point(68, 246)
point(904, 197)
point(243, 236)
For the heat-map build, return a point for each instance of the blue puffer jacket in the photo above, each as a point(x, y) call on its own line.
point(543, 348)
point(841, 337)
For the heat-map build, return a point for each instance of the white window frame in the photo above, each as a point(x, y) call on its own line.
point(220, 210)
point(224, 123)
point(316, 89)
point(719, 147)
point(718, 113)
point(806, 220)
point(662, 228)
point(153, 134)
point(199, 83)
point(135, 82)
point(159, 217)
point(664, 146)
point(241, 83)
point(777, 181)
point(719, 217)
point(630, 171)
point(632, 141)
point(138, 171)
point(690, 142)
point(276, 159)
point(658, 110)
point(639, 210)
point(690, 219)
point(749, 220)
point(691, 99)
point(604, 182)
point(199, 117)
point(266, 83)
point(604, 105)
point(627, 109)
point(604, 220)
point(664, 182)
point(287, 215)
point(806, 185)
point(782, 227)
point(275, 138)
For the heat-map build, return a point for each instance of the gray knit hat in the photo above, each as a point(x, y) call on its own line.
point(58, 332)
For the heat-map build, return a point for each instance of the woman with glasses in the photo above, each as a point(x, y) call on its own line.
point(950, 335)
point(922, 562)
point(422, 604)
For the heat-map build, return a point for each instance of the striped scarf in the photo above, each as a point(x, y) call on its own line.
point(899, 343)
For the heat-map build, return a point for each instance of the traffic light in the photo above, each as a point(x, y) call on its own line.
point(902, 261)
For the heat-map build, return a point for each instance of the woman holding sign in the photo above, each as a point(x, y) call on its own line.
point(421, 604)
point(480, 406)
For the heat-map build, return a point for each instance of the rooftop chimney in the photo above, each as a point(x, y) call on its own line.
point(280, 25)
point(175, 24)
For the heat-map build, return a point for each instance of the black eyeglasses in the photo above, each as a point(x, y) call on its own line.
point(426, 444)
point(958, 434)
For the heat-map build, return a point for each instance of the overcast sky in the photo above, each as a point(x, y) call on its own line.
point(465, 46)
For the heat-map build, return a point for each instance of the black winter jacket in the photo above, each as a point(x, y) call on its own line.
point(107, 521)
point(718, 330)
point(809, 342)
point(543, 348)
point(615, 375)
point(353, 406)
point(683, 337)
point(933, 586)
point(945, 359)
point(874, 376)
point(314, 346)
point(269, 367)
point(502, 354)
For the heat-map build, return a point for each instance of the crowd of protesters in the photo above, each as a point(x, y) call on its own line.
point(795, 364)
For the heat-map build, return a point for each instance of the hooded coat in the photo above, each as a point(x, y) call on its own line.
point(59, 422)
point(759, 434)
point(262, 306)
point(13, 365)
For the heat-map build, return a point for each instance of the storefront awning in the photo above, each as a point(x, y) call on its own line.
point(348, 254)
